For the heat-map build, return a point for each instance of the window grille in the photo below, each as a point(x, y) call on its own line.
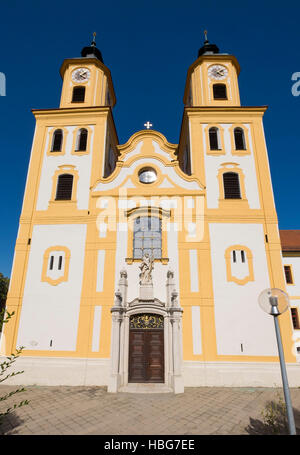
point(147, 237)
point(64, 187)
point(231, 185)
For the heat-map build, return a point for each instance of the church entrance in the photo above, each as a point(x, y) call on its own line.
point(146, 348)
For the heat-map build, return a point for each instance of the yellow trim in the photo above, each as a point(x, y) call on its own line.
point(220, 151)
point(199, 83)
point(51, 132)
point(231, 211)
point(148, 149)
point(100, 80)
point(230, 277)
point(74, 141)
point(65, 275)
point(234, 151)
point(292, 274)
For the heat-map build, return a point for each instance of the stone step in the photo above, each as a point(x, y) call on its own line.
point(145, 388)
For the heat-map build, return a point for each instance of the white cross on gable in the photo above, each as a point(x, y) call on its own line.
point(148, 125)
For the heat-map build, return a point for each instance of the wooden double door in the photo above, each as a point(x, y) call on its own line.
point(146, 355)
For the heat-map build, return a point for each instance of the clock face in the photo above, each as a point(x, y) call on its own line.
point(81, 75)
point(218, 72)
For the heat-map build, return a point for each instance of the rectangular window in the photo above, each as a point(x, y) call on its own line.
point(59, 262)
point(51, 262)
point(234, 256)
point(288, 274)
point(243, 255)
point(147, 237)
point(295, 318)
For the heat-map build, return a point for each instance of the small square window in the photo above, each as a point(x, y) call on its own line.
point(295, 318)
point(288, 274)
point(243, 255)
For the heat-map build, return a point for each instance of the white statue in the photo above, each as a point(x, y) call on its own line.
point(146, 269)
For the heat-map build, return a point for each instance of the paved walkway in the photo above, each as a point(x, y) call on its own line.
point(92, 411)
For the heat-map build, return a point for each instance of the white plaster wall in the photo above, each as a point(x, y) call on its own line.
point(213, 164)
point(50, 164)
point(239, 319)
point(51, 312)
point(293, 289)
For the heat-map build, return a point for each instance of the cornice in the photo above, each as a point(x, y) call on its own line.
point(93, 61)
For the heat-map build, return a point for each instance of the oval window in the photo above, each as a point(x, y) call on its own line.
point(147, 175)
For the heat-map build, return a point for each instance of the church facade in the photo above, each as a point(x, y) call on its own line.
point(140, 265)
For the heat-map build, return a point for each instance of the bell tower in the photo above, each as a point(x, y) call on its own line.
point(86, 81)
point(212, 79)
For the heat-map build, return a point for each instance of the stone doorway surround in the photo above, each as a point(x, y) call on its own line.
point(146, 303)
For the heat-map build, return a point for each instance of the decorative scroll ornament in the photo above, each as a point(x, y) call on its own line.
point(147, 321)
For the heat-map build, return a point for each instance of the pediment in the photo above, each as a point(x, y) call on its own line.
point(148, 149)
point(147, 143)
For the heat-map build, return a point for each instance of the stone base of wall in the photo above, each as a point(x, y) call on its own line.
point(57, 371)
point(238, 374)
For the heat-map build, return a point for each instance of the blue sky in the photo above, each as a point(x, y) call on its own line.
point(148, 47)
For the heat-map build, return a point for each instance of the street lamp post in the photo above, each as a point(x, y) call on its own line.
point(276, 302)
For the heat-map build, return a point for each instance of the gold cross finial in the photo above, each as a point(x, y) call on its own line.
point(205, 35)
point(94, 39)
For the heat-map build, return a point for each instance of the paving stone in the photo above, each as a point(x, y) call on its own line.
point(91, 410)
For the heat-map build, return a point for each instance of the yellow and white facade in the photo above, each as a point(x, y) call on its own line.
point(75, 256)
